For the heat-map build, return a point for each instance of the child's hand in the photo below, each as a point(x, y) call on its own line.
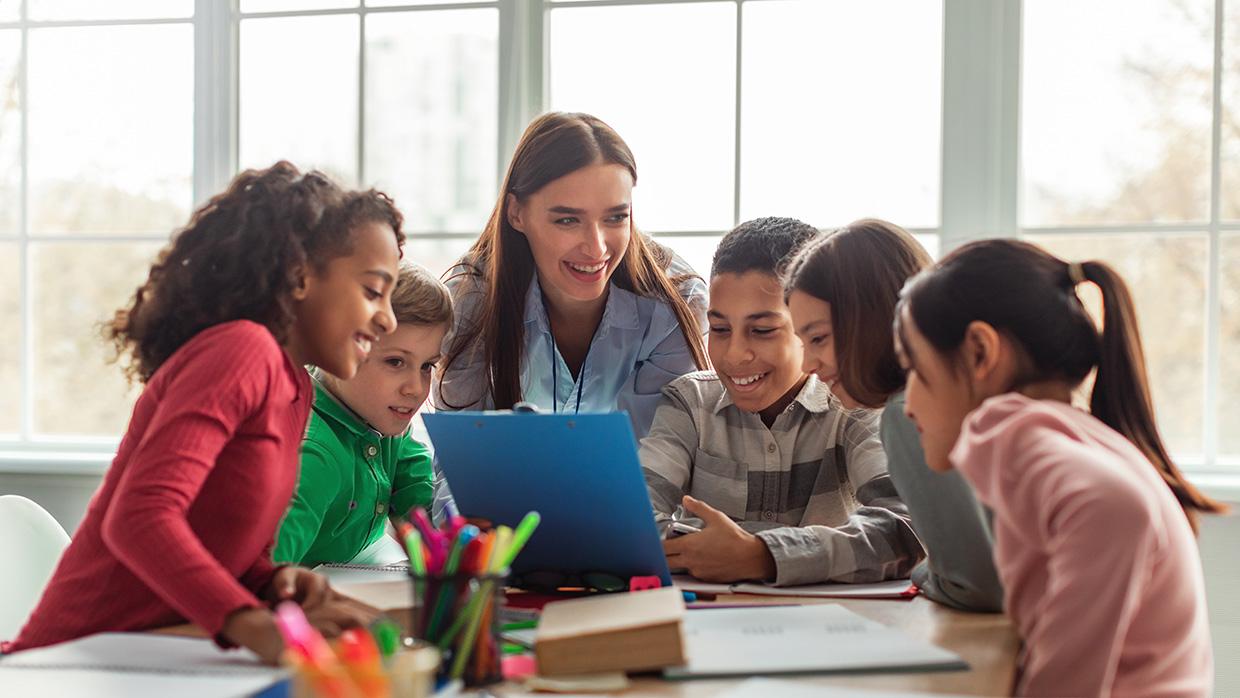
point(721, 552)
point(298, 584)
point(340, 613)
point(255, 629)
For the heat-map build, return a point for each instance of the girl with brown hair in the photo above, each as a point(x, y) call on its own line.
point(281, 270)
point(842, 292)
point(562, 302)
point(1093, 521)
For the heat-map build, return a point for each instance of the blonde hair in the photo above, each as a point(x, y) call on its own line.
point(420, 298)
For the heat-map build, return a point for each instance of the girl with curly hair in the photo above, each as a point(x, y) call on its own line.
point(281, 270)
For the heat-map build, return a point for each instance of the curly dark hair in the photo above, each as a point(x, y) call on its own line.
point(240, 258)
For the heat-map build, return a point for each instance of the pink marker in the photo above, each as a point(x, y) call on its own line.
point(299, 634)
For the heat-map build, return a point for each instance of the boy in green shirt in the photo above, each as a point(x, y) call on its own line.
point(358, 463)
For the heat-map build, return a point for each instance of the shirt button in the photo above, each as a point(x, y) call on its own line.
point(770, 448)
point(371, 451)
point(768, 515)
point(380, 508)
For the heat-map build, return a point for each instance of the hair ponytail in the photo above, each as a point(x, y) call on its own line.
point(1121, 395)
point(1029, 295)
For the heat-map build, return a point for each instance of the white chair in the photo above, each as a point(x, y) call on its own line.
point(31, 542)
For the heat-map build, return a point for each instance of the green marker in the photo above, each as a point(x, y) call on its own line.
point(387, 636)
point(413, 545)
point(525, 529)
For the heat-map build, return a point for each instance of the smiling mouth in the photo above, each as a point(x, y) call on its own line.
point(748, 382)
point(364, 341)
point(403, 411)
point(587, 268)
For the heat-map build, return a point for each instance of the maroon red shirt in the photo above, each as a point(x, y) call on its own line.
point(182, 527)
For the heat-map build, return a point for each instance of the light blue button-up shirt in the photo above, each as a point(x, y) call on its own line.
point(636, 350)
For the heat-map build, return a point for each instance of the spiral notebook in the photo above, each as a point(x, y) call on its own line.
point(895, 589)
point(344, 575)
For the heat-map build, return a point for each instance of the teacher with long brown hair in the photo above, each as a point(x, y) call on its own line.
point(562, 302)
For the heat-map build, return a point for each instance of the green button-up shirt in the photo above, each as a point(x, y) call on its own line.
point(351, 477)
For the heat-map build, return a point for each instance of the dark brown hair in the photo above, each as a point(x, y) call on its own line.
point(240, 258)
point(553, 145)
point(860, 269)
point(1030, 296)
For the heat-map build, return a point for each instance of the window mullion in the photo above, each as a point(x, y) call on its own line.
point(1214, 276)
point(522, 72)
point(215, 96)
point(26, 306)
point(736, 143)
point(362, 179)
point(981, 135)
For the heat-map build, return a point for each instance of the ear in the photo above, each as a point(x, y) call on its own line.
point(981, 350)
point(515, 213)
point(305, 279)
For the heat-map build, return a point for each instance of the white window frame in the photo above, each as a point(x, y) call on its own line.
point(979, 185)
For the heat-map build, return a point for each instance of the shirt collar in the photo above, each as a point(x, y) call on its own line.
point(331, 408)
point(814, 396)
point(620, 311)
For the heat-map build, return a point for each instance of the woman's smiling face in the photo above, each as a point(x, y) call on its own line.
point(578, 228)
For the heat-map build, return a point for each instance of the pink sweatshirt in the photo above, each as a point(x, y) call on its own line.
point(1098, 562)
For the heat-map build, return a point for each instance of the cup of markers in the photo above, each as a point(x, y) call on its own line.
point(458, 574)
point(361, 663)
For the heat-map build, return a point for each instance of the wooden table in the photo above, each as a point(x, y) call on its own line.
point(986, 642)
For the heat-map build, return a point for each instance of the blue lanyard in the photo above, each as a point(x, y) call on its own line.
point(555, 375)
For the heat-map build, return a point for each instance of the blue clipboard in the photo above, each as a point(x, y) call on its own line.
point(580, 472)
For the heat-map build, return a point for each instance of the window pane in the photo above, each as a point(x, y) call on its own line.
point(394, 3)
point(432, 105)
point(698, 251)
point(10, 10)
point(436, 254)
point(283, 5)
point(835, 127)
point(100, 163)
point(1116, 124)
point(931, 242)
point(299, 93)
point(672, 100)
point(111, 9)
point(10, 132)
point(11, 327)
point(1229, 151)
point(1229, 373)
point(1166, 276)
point(76, 390)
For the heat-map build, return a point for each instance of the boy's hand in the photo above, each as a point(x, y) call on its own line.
point(298, 584)
point(721, 552)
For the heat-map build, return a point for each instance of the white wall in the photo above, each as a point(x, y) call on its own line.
point(65, 496)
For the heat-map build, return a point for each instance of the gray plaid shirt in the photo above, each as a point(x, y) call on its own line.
point(814, 486)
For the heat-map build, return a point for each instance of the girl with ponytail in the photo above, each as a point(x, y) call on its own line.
point(1094, 524)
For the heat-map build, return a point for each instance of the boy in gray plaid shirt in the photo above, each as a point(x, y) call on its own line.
point(786, 485)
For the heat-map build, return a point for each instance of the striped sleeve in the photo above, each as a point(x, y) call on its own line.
point(666, 454)
point(877, 541)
